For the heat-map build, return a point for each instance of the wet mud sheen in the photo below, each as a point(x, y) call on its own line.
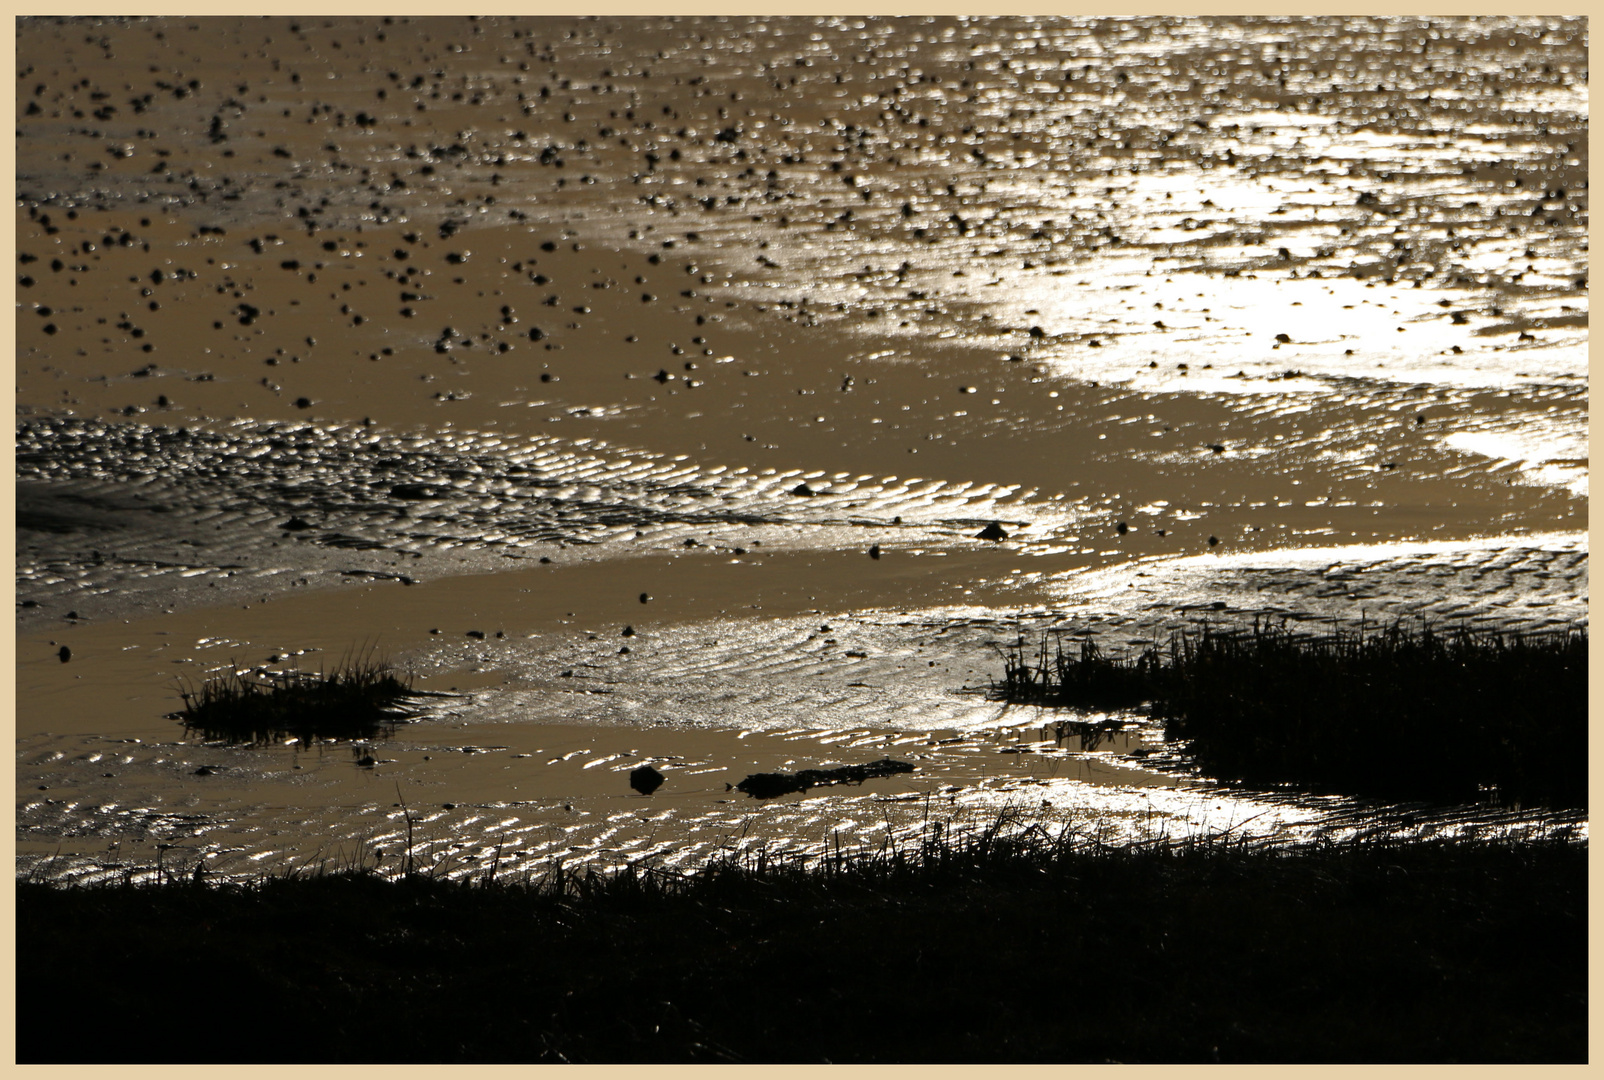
point(826, 356)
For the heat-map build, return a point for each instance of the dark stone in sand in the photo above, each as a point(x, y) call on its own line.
point(645, 779)
point(65, 654)
point(803, 489)
point(994, 531)
point(296, 524)
point(874, 551)
point(772, 785)
point(412, 491)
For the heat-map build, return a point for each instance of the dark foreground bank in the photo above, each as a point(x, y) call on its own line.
point(980, 951)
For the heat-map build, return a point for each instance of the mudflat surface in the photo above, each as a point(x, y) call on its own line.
point(363, 333)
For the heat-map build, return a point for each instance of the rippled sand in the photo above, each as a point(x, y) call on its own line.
point(343, 332)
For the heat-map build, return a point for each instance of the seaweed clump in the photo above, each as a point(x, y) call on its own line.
point(773, 785)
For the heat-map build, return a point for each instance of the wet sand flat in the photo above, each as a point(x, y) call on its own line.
point(476, 341)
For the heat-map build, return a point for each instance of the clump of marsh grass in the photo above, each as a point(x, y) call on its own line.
point(1454, 716)
point(360, 698)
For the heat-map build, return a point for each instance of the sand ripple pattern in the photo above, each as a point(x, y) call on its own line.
point(810, 692)
point(1540, 583)
point(931, 670)
point(116, 841)
point(131, 506)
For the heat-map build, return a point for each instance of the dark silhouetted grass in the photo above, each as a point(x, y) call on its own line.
point(358, 700)
point(1033, 949)
point(1417, 714)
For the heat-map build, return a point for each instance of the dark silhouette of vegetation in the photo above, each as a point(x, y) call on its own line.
point(774, 784)
point(358, 700)
point(1459, 716)
point(947, 950)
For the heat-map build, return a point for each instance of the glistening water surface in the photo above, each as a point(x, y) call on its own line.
point(484, 341)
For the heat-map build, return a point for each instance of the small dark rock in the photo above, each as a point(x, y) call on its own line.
point(994, 531)
point(874, 551)
point(629, 631)
point(65, 654)
point(412, 491)
point(1122, 528)
point(645, 779)
point(803, 489)
point(296, 524)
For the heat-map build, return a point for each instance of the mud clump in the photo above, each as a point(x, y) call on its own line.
point(773, 785)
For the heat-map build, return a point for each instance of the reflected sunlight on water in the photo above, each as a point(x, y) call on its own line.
point(853, 348)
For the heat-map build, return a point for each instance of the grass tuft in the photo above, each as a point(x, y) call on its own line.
point(357, 700)
point(1461, 716)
